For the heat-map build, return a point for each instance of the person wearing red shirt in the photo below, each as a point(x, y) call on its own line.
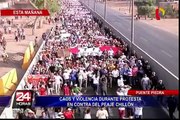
point(134, 75)
point(66, 90)
point(42, 90)
point(68, 114)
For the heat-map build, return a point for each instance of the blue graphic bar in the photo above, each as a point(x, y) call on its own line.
point(5, 101)
point(94, 101)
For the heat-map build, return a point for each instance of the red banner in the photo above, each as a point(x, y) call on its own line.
point(35, 79)
point(153, 92)
point(24, 13)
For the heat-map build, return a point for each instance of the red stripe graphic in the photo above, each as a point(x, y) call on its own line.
point(24, 13)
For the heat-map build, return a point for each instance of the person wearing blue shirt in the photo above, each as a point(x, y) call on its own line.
point(73, 77)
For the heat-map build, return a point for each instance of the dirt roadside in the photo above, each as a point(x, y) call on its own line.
point(16, 50)
point(169, 25)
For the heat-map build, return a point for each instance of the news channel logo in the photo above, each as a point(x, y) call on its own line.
point(23, 98)
point(160, 12)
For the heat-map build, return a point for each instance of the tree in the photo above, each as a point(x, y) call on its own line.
point(51, 5)
point(152, 12)
point(169, 11)
point(146, 8)
point(143, 10)
point(151, 2)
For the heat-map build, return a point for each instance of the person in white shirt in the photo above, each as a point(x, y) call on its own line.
point(111, 53)
point(122, 91)
point(115, 75)
point(123, 56)
point(87, 114)
point(120, 81)
point(58, 83)
point(145, 82)
point(80, 78)
point(138, 112)
point(95, 78)
point(102, 113)
point(66, 76)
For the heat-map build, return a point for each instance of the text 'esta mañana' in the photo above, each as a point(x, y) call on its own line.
point(27, 12)
point(96, 99)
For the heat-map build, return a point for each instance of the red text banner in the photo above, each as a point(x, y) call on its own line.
point(24, 13)
point(153, 92)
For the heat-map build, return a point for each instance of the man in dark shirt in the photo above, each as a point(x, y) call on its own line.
point(154, 80)
point(103, 85)
point(160, 86)
point(172, 104)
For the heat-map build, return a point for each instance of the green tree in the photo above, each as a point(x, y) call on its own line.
point(169, 11)
point(152, 12)
point(146, 8)
point(151, 2)
point(51, 5)
point(143, 10)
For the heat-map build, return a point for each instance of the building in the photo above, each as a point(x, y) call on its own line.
point(6, 4)
point(23, 4)
point(16, 4)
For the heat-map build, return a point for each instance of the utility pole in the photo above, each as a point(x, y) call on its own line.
point(88, 3)
point(129, 6)
point(132, 27)
point(105, 7)
point(94, 5)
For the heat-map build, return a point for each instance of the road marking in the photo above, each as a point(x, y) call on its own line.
point(144, 39)
point(129, 29)
point(166, 53)
point(137, 46)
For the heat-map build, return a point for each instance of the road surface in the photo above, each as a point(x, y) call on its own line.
point(161, 45)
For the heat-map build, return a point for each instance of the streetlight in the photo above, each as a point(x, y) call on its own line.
point(132, 27)
point(105, 6)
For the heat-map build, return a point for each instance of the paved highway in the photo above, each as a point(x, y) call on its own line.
point(161, 45)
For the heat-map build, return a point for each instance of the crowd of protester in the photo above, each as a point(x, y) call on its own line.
point(80, 54)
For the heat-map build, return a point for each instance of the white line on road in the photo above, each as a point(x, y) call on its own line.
point(144, 39)
point(166, 53)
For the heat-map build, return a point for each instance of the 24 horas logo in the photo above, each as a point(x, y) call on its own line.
point(23, 98)
point(160, 12)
